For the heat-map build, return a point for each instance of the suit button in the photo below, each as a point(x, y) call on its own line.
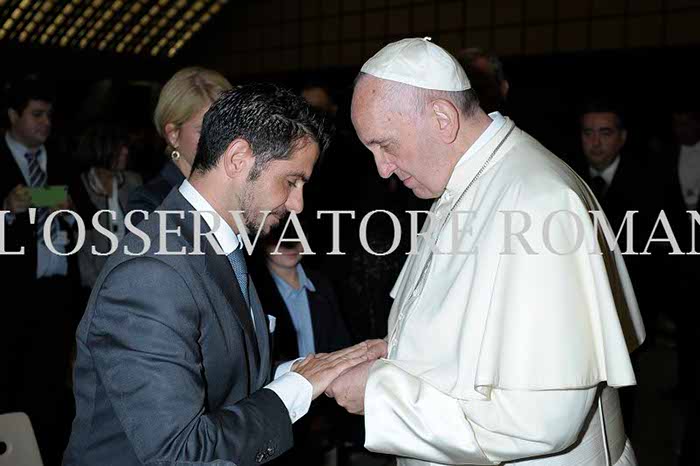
point(270, 451)
point(260, 457)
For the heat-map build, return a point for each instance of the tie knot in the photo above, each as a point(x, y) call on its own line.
point(32, 156)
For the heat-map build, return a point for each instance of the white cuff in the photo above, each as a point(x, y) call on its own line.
point(285, 367)
point(294, 391)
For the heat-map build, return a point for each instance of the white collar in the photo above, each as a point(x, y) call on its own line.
point(497, 123)
point(224, 234)
point(19, 149)
point(608, 173)
point(690, 149)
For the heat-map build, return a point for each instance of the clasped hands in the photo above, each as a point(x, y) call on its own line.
point(342, 374)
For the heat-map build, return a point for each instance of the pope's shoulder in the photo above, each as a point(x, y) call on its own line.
point(536, 173)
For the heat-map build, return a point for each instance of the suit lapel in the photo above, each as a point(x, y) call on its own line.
point(222, 274)
point(220, 269)
point(262, 333)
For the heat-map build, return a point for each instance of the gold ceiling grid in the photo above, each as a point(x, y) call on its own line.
point(140, 27)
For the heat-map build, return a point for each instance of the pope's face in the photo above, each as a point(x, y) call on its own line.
point(399, 140)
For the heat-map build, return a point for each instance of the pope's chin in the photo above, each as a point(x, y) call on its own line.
point(422, 192)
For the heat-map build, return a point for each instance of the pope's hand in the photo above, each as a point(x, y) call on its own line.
point(323, 368)
point(349, 389)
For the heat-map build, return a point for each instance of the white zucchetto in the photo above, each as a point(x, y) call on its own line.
point(418, 63)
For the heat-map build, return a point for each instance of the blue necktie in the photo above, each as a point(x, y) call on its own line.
point(240, 269)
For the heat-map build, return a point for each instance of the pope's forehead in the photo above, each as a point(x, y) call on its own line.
point(375, 96)
point(367, 89)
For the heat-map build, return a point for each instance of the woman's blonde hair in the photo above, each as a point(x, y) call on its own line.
point(186, 93)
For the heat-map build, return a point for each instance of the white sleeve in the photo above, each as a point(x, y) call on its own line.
point(405, 416)
point(293, 389)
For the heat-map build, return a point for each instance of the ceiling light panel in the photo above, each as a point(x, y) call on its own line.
point(141, 27)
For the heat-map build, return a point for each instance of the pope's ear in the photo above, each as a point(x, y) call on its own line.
point(238, 158)
point(446, 117)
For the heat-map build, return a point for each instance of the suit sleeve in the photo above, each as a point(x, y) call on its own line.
point(406, 416)
point(144, 343)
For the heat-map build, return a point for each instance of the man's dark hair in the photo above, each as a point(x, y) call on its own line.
point(604, 104)
point(274, 121)
point(21, 92)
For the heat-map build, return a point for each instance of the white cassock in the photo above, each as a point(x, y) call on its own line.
point(497, 357)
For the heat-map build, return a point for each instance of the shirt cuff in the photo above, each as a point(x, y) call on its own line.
point(294, 391)
point(285, 367)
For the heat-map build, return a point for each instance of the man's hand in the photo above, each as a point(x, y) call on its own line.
point(349, 389)
point(322, 369)
point(18, 200)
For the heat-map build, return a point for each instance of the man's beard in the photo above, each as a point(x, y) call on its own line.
point(252, 216)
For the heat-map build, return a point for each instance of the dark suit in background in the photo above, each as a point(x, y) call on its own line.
point(325, 424)
point(150, 195)
point(36, 330)
point(633, 188)
point(681, 276)
point(330, 331)
point(170, 369)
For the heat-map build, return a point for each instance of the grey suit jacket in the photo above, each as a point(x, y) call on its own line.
point(169, 367)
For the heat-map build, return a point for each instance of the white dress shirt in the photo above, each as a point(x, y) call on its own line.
point(292, 388)
point(689, 174)
point(608, 173)
point(48, 264)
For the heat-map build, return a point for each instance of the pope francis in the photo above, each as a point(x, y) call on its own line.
point(508, 335)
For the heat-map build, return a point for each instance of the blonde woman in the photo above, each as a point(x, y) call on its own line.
point(184, 100)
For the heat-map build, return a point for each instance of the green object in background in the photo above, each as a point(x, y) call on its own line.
point(48, 196)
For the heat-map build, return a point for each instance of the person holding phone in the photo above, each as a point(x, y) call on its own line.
point(35, 332)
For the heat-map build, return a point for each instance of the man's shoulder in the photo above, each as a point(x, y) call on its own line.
point(149, 241)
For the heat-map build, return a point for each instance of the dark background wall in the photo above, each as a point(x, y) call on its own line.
point(555, 52)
